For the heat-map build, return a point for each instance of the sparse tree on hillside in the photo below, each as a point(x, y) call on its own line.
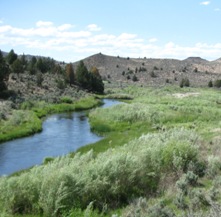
point(70, 74)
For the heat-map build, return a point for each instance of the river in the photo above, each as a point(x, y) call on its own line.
point(62, 133)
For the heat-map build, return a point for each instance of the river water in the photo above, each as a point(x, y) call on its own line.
point(61, 134)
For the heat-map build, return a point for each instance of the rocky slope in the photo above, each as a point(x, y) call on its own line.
point(155, 71)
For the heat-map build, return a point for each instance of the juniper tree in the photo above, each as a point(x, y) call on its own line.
point(70, 74)
point(4, 71)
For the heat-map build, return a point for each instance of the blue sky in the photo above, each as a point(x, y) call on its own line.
point(69, 30)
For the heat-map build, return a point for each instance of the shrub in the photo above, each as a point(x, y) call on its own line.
point(210, 83)
point(217, 83)
point(134, 78)
point(27, 105)
point(61, 84)
point(184, 82)
point(152, 74)
point(214, 166)
point(180, 201)
point(160, 210)
point(40, 79)
point(66, 99)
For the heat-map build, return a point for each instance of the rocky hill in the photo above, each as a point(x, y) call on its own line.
point(155, 71)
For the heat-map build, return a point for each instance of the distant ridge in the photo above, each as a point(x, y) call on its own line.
point(155, 71)
point(195, 60)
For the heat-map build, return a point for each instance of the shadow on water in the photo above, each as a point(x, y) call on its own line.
point(62, 133)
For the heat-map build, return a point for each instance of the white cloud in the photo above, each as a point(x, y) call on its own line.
point(93, 27)
point(217, 9)
point(205, 3)
point(152, 40)
point(44, 23)
point(65, 27)
point(126, 36)
point(62, 41)
point(5, 29)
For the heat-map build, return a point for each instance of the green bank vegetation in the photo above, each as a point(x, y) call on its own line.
point(160, 157)
point(28, 119)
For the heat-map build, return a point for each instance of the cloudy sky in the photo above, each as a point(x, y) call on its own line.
point(69, 30)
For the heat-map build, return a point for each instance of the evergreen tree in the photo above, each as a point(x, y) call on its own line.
point(96, 83)
point(32, 66)
point(70, 74)
point(11, 57)
point(4, 72)
point(23, 61)
point(17, 66)
point(41, 65)
point(82, 75)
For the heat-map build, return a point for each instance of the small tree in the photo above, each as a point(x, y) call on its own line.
point(210, 83)
point(134, 78)
point(195, 70)
point(184, 82)
point(217, 83)
point(152, 74)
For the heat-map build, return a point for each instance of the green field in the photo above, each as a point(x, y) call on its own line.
point(160, 156)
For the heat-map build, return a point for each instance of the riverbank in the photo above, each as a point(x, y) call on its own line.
point(28, 119)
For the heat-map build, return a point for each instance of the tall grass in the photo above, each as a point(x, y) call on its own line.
point(111, 179)
point(20, 123)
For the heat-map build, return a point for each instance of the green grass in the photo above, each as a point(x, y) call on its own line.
point(20, 124)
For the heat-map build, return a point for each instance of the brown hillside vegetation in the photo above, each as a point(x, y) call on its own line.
point(155, 71)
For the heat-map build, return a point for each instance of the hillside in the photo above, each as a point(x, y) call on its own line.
point(155, 71)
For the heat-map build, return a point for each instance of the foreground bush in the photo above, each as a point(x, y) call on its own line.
point(111, 179)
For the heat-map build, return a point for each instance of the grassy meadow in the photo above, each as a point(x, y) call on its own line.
point(160, 156)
